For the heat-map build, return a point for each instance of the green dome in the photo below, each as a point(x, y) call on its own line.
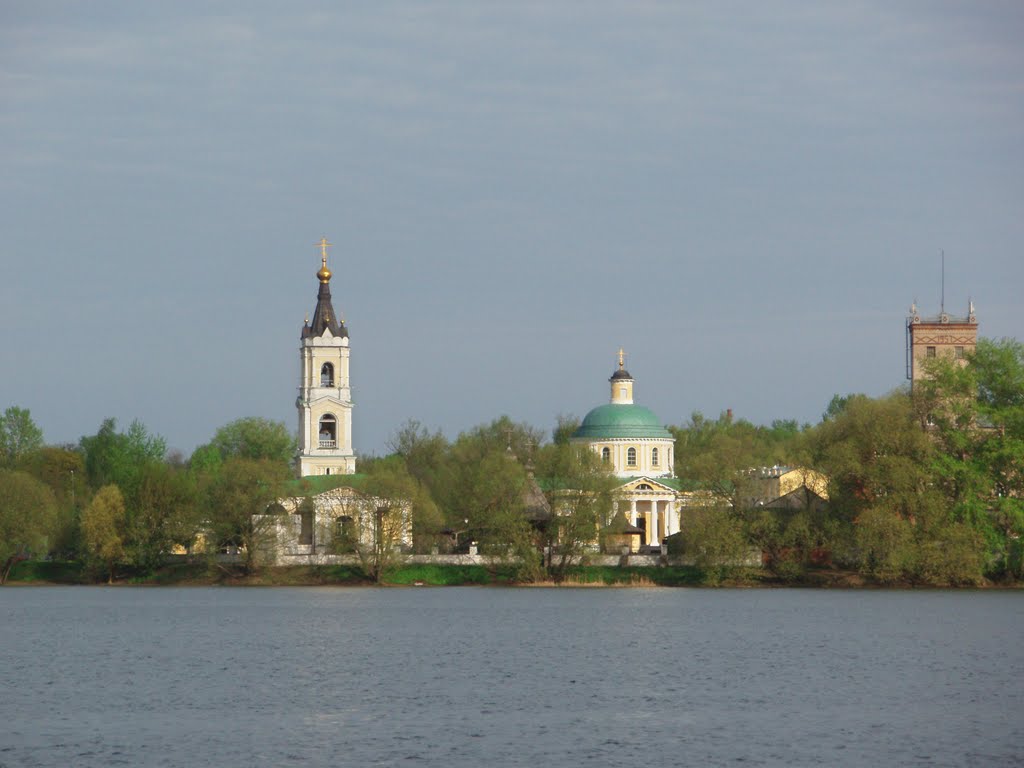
point(621, 420)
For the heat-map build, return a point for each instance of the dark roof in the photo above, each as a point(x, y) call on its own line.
point(620, 525)
point(622, 373)
point(535, 503)
point(797, 499)
point(324, 317)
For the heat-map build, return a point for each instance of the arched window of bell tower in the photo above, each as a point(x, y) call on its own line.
point(328, 431)
point(326, 375)
point(606, 454)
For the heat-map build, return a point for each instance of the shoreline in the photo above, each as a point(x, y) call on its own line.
point(52, 574)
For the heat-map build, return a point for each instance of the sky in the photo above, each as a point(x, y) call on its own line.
point(746, 196)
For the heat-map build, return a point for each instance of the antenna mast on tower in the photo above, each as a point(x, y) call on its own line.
point(942, 300)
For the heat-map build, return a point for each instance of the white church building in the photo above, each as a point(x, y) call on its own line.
point(640, 449)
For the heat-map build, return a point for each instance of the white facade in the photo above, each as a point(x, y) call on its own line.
point(325, 407)
point(637, 456)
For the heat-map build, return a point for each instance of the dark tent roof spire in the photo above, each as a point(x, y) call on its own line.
point(324, 317)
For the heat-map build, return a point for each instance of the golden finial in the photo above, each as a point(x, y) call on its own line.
point(622, 358)
point(324, 274)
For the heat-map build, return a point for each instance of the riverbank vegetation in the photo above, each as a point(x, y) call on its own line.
point(924, 488)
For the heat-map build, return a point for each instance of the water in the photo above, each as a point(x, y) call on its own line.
point(507, 677)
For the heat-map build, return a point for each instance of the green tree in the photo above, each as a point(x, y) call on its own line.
point(581, 496)
point(874, 453)
point(718, 455)
point(886, 493)
point(19, 435)
point(254, 438)
point(205, 461)
point(712, 537)
point(838, 404)
point(885, 544)
point(165, 515)
point(62, 470)
point(237, 503)
point(975, 415)
point(103, 523)
point(119, 457)
point(400, 506)
point(486, 488)
point(565, 427)
point(425, 454)
point(27, 517)
point(999, 367)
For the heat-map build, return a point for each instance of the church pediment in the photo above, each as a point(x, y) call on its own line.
point(645, 485)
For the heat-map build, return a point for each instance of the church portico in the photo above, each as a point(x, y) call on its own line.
point(652, 508)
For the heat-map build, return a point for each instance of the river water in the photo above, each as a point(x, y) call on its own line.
point(507, 677)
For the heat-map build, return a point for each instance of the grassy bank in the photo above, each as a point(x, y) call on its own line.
point(206, 574)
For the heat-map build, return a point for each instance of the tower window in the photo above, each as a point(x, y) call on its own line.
point(622, 392)
point(328, 431)
point(654, 457)
point(631, 457)
point(326, 375)
point(606, 454)
point(929, 351)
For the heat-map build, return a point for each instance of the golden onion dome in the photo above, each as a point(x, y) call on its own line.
point(324, 274)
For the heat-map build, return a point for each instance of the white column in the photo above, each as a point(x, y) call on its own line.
point(653, 532)
point(671, 521)
point(632, 512)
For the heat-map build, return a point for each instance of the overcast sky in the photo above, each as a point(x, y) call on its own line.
point(746, 196)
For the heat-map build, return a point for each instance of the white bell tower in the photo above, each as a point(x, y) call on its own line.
point(325, 397)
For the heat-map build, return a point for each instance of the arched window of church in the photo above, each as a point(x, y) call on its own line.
point(328, 431)
point(631, 457)
point(344, 534)
point(606, 454)
point(654, 457)
point(326, 375)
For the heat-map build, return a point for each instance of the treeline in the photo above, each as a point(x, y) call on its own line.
point(923, 488)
